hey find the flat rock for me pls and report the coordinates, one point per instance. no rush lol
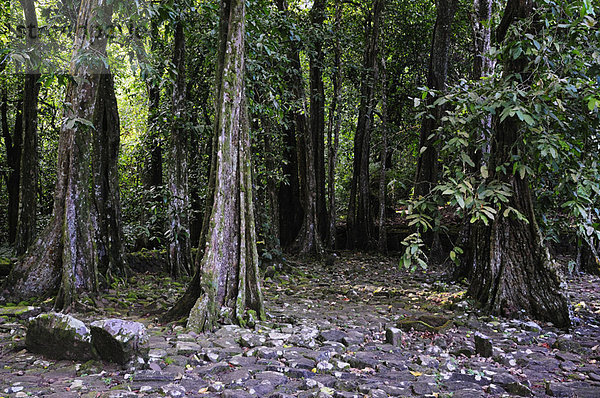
(59, 336)
(120, 341)
(332, 335)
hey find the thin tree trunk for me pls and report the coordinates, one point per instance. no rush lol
(317, 113)
(360, 219)
(27, 217)
(228, 279)
(427, 163)
(335, 123)
(482, 66)
(12, 144)
(513, 272)
(290, 193)
(64, 257)
(152, 167)
(382, 241)
(180, 257)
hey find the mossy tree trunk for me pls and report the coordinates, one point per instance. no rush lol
(360, 218)
(65, 256)
(227, 287)
(513, 272)
(179, 253)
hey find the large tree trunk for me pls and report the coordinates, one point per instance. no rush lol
(180, 257)
(105, 166)
(513, 272)
(335, 124)
(29, 161)
(317, 113)
(360, 218)
(427, 163)
(228, 280)
(65, 256)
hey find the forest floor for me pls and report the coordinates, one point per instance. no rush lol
(325, 337)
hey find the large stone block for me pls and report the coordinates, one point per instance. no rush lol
(120, 341)
(59, 336)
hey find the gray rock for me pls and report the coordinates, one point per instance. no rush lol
(59, 336)
(120, 341)
(275, 378)
(483, 345)
(235, 377)
(532, 326)
(235, 394)
(332, 335)
(393, 336)
(185, 347)
(518, 389)
(173, 390)
(503, 379)
(251, 340)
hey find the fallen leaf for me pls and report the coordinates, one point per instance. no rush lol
(416, 374)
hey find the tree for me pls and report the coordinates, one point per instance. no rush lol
(227, 285)
(180, 257)
(360, 220)
(28, 181)
(317, 112)
(513, 270)
(335, 122)
(65, 257)
(427, 164)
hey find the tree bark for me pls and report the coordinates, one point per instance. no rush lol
(105, 167)
(229, 287)
(335, 124)
(27, 217)
(513, 272)
(360, 218)
(180, 257)
(65, 257)
(427, 163)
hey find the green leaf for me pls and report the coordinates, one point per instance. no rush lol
(484, 171)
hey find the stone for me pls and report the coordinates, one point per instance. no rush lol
(393, 336)
(120, 341)
(532, 327)
(173, 390)
(250, 340)
(275, 378)
(483, 345)
(335, 335)
(185, 347)
(518, 389)
(59, 336)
